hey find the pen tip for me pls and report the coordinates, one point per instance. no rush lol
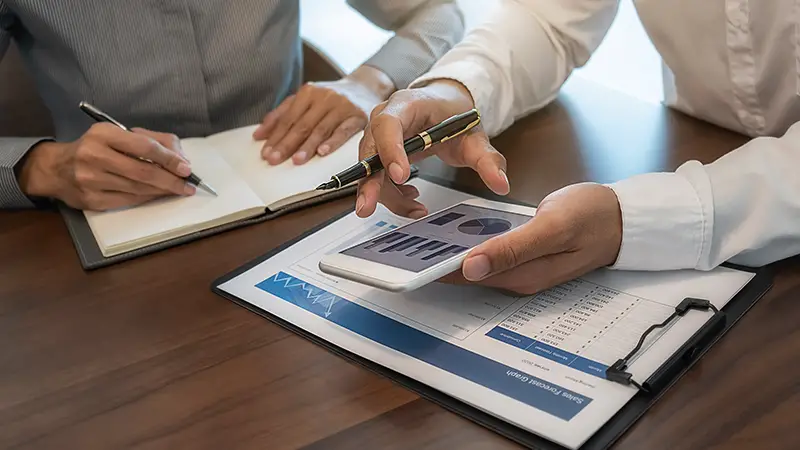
(326, 186)
(208, 189)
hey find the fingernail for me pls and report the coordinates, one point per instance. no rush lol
(418, 214)
(188, 189)
(184, 170)
(505, 178)
(360, 203)
(476, 268)
(396, 173)
(300, 156)
(324, 149)
(258, 130)
(275, 157)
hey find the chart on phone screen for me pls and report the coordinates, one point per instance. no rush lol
(436, 308)
(428, 242)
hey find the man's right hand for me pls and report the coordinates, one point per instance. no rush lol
(406, 113)
(101, 170)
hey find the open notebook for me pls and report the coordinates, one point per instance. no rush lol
(247, 186)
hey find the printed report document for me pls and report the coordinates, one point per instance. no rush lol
(247, 186)
(535, 361)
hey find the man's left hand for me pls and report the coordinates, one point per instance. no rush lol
(321, 117)
(575, 230)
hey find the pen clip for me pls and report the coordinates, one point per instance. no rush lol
(467, 128)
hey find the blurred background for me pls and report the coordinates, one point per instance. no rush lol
(626, 60)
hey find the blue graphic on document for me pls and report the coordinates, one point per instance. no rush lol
(304, 295)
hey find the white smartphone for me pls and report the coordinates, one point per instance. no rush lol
(425, 250)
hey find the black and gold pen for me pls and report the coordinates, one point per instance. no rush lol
(98, 115)
(443, 132)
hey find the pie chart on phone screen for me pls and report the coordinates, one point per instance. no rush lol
(484, 227)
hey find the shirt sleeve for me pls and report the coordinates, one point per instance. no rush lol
(515, 61)
(424, 31)
(743, 208)
(12, 150)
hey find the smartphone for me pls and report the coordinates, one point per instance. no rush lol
(425, 250)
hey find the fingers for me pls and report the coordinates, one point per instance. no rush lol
(537, 238)
(325, 131)
(106, 181)
(386, 139)
(341, 134)
(533, 276)
(285, 119)
(369, 194)
(138, 171)
(399, 199)
(139, 145)
(271, 119)
(284, 122)
(478, 154)
(299, 132)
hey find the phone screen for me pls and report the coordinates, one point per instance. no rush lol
(427, 242)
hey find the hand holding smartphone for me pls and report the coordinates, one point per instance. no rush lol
(427, 249)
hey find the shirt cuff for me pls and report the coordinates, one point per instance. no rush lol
(12, 153)
(664, 225)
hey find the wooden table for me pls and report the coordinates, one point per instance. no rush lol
(143, 354)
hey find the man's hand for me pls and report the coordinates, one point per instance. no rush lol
(575, 230)
(321, 116)
(101, 171)
(406, 113)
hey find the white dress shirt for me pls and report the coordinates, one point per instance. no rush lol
(735, 63)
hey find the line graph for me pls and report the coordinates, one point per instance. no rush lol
(302, 294)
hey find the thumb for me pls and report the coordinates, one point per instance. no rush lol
(535, 239)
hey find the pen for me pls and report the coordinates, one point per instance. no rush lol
(443, 132)
(100, 116)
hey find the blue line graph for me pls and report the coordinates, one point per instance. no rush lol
(302, 294)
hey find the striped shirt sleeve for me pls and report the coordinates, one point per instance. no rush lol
(12, 150)
(424, 31)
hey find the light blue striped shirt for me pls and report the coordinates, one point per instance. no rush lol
(193, 67)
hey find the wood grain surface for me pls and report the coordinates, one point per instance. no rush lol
(143, 355)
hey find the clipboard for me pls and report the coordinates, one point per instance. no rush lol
(675, 367)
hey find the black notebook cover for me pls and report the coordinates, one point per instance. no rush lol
(602, 439)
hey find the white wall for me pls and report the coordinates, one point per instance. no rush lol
(625, 61)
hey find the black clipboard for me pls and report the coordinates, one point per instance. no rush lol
(605, 437)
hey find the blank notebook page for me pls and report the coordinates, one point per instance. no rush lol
(156, 218)
(274, 183)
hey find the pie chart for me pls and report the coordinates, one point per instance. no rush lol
(484, 227)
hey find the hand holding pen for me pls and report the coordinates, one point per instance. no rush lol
(172, 141)
(105, 169)
(438, 119)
